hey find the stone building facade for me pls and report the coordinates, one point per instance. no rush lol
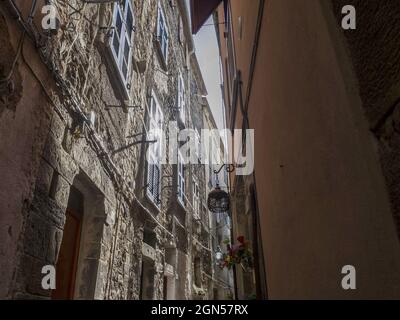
(79, 105)
(221, 222)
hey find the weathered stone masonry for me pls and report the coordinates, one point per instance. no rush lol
(49, 149)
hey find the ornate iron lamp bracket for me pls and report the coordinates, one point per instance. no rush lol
(229, 168)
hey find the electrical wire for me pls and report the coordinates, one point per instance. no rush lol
(92, 139)
(20, 44)
(91, 136)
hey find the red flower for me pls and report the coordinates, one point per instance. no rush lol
(235, 248)
(241, 239)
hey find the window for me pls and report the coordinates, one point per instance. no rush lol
(213, 178)
(181, 35)
(198, 150)
(154, 151)
(150, 238)
(210, 176)
(196, 197)
(181, 179)
(181, 98)
(193, 87)
(120, 42)
(162, 34)
(230, 63)
(227, 221)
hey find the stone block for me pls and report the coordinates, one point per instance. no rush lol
(62, 193)
(54, 245)
(60, 160)
(57, 129)
(37, 236)
(44, 177)
(48, 208)
(30, 274)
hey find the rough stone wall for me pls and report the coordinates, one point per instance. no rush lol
(202, 233)
(164, 82)
(68, 153)
(222, 286)
(375, 53)
(69, 76)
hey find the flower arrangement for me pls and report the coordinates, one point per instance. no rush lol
(237, 254)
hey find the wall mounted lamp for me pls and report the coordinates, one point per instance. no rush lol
(218, 200)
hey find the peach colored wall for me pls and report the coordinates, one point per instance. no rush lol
(323, 202)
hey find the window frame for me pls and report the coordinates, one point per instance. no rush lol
(181, 98)
(181, 170)
(196, 198)
(125, 38)
(155, 119)
(181, 35)
(198, 150)
(160, 15)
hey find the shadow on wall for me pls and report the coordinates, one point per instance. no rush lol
(10, 78)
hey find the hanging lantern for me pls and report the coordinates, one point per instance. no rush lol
(218, 200)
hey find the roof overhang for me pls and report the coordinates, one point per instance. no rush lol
(200, 11)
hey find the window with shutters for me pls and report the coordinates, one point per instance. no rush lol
(198, 146)
(162, 34)
(181, 35)
(121, 41)
(181, 179)
(181, 98)
(154, 151)
(210, 175)
(196, 198)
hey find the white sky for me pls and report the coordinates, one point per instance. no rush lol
(208, 56)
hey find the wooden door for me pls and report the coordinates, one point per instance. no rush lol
(68, 257)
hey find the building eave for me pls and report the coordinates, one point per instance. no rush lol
(200, 11)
